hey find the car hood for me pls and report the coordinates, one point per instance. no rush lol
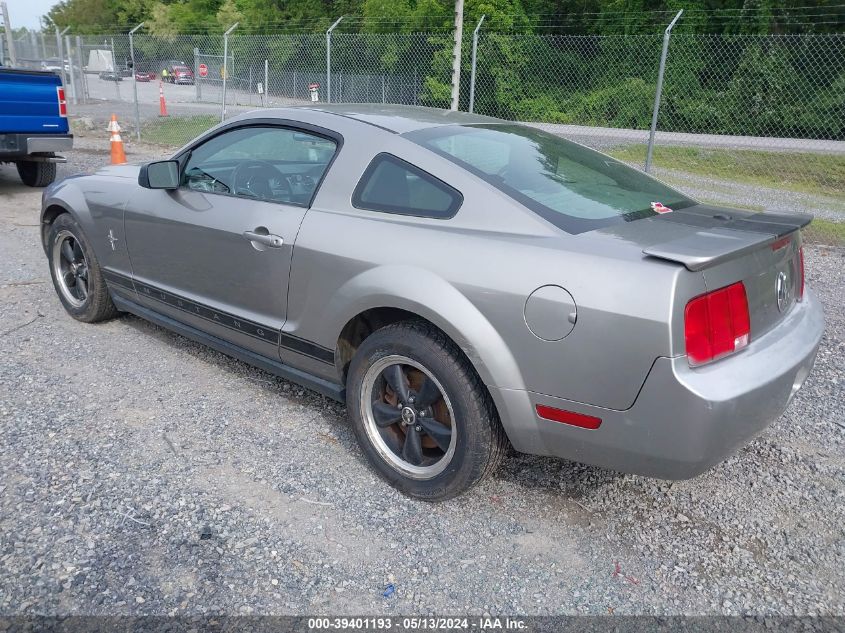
(699, 236)
(129, 170)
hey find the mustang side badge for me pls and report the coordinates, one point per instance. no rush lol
(658, 207)
(112, 239)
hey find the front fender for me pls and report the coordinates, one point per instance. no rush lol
(433, 298)
(96, 203)
(64, 196)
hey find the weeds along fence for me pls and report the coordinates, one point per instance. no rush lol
(766, 110)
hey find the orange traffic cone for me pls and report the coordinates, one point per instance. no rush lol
(118, 156)
(162, 106)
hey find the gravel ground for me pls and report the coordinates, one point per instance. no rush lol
(141, 473)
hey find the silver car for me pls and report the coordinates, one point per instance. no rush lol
(462, 283)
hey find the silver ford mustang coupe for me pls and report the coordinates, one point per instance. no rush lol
(461, 282)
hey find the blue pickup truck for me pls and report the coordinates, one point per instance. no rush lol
(33, 123)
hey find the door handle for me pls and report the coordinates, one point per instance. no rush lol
(267, 239)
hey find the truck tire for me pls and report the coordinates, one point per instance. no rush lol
(36, 174)
(422, 416)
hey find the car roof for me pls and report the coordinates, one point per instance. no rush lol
(400, 118)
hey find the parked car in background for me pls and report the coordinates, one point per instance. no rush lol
(110, 75)
(53, 65)
(33, 123)
(459, 281)
(145, 76)
(180, 75)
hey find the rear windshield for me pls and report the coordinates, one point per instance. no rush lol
(570, 185)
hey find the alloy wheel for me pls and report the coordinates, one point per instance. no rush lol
(408, 417)
(71, 268)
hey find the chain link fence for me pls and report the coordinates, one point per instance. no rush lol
(741, 118)
(739, 115)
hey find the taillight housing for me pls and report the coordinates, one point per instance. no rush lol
(717, 324)
(800, 294)
(60, 95)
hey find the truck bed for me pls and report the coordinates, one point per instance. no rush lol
(29, 102)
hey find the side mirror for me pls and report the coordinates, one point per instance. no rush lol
(163, 174)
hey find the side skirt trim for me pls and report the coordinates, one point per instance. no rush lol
(320, 385)
(258, 331)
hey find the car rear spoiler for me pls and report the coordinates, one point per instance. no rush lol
(731, 239)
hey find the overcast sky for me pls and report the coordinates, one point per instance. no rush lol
(27, 12)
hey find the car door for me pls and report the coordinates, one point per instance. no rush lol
(216, 252)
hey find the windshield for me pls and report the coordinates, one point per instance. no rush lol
(570, 185)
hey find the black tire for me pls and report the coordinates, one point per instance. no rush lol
(97, 304)
(36, 174)
(480, 441)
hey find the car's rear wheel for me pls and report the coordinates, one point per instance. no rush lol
(36, 174)
(76, 272)
(421, 414)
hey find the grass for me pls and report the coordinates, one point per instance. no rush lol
(176, 131)
(825, 232)
(795, 171)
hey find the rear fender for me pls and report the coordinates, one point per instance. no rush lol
(436, 300)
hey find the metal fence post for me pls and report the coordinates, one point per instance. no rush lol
(474, 60)
(60, 52)
(266, 95)
(135, 81)
(197, 78)
(114, 68)
(82, 77)
(456, 54)
(10, 36)
(329, 60)
(70, 68)
(658, 93)
(225, 68)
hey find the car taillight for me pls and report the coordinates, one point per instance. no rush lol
(60, 93)
(717, 324)
(800, 294)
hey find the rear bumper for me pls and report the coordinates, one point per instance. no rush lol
(21, 145)
(684, 420)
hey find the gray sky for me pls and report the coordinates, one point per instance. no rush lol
(27, 12)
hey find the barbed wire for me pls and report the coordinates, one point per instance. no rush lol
(802, 16)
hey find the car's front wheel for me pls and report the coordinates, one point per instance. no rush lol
(421, 414)
(76, 272)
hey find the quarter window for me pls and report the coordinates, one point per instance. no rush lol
(259, 162)
(392, 185)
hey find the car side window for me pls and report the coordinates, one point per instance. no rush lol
(261, 162)
(393, 185)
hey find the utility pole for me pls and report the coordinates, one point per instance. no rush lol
(456, 53)
(10, 40)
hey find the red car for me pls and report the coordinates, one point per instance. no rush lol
(144, 76)
(180, 75)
